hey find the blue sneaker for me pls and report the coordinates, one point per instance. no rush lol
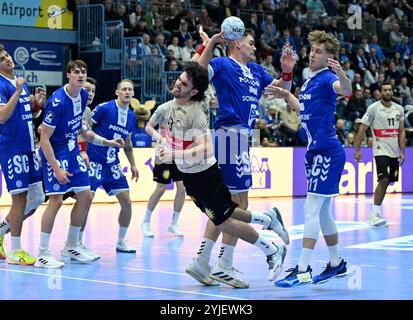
(295, 278)
(331, 272)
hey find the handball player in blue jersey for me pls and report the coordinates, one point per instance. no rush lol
(325, 157)
(63, 168)
(18, 158)
(114, 119)
(239, 83)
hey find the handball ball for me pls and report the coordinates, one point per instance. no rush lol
(233, 28)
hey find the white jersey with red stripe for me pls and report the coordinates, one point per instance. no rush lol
(384, 123)
(180, 125)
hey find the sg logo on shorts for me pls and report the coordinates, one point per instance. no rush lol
(18, 164)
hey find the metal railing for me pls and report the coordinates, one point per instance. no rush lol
(90, 20)
(113, 46)
(153, 87)
(132, 66)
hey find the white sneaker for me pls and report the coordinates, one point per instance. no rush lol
(201, 273)
(46, 260)
(146, 229)
(123, 246)
(277, 224)
(95, 256)
(75, 254)
(228, 275)
(173, 228)
(375, 220)
(276, 261)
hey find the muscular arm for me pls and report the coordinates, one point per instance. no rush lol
(7, 110)
(358, 139)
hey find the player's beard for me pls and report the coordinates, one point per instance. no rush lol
(387, 98)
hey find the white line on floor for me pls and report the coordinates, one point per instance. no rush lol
(122, 284)
(158, 271)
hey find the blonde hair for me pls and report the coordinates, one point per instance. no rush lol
(331, 43)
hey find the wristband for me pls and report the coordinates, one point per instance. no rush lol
(200, 49)
(82, 146)
(287, 76)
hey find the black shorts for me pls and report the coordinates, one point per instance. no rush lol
(165, 172)
(387, 168)
(210, 194)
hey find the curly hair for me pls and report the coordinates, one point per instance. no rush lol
(331, 43)
(199, 77)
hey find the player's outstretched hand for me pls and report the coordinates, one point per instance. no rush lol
(39, 96)
(277, 92)
(117, 142)
(287, 58)
(203, 35)
(218, 38)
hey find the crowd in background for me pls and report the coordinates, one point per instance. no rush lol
(170, 29)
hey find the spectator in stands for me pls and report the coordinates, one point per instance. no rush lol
(405, 92)
(368, 97)
(219, 50)
(145, 45)
(175, 48)
(133, 61)
(124, 17)
(357, 83)
(379, 51)
(349, 140)
(399, 62)
(187, 51)
(371, 75)
(269, 67)
(272, 121)
(348, 71)
(192, 20)
(252, 23)
(140, 29)
(268, 41)
(286, 38)
(374, 58)
(290, 123)
(396, 36)
(341, 135)
(360, 61)
(375, 86)
(317, 7)
(158, 29)
(269, 22)
(160, 45)
(297, 38)
(172, 65)
(183, 33)
(356, 106)
(409, 76)
(405, 49)
(396, 93)
(137, 15)
(264, 132)
(206, 22)
(151, 15)
(392, 72)
(110, 13)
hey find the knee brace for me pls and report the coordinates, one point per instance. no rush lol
(312, 208)
(327, 223)
(35, 197)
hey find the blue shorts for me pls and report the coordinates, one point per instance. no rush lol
(109, 176)
(232, 152)
(72, 162)
(323, 170)
(20, 170)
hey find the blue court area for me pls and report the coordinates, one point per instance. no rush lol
(380, 259)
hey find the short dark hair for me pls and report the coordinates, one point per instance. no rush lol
(199, 77)
(73, 64)
(91, 80)
(385, 83)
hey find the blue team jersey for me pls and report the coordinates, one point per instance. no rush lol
(238, 88)
(16, 134)
(317, 107)
(64, 114)
(110, 122)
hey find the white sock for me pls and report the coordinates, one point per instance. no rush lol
(265, 245)
(148, 215)
(260, 218)
(226, 255)
(81, 236)
(334, 255)
(175, 217)
(122, 233)
(73, 236)
(4, 227)
(305, 259)
(44, 241)
(15, 244)
(205, 249)
(376, 210)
